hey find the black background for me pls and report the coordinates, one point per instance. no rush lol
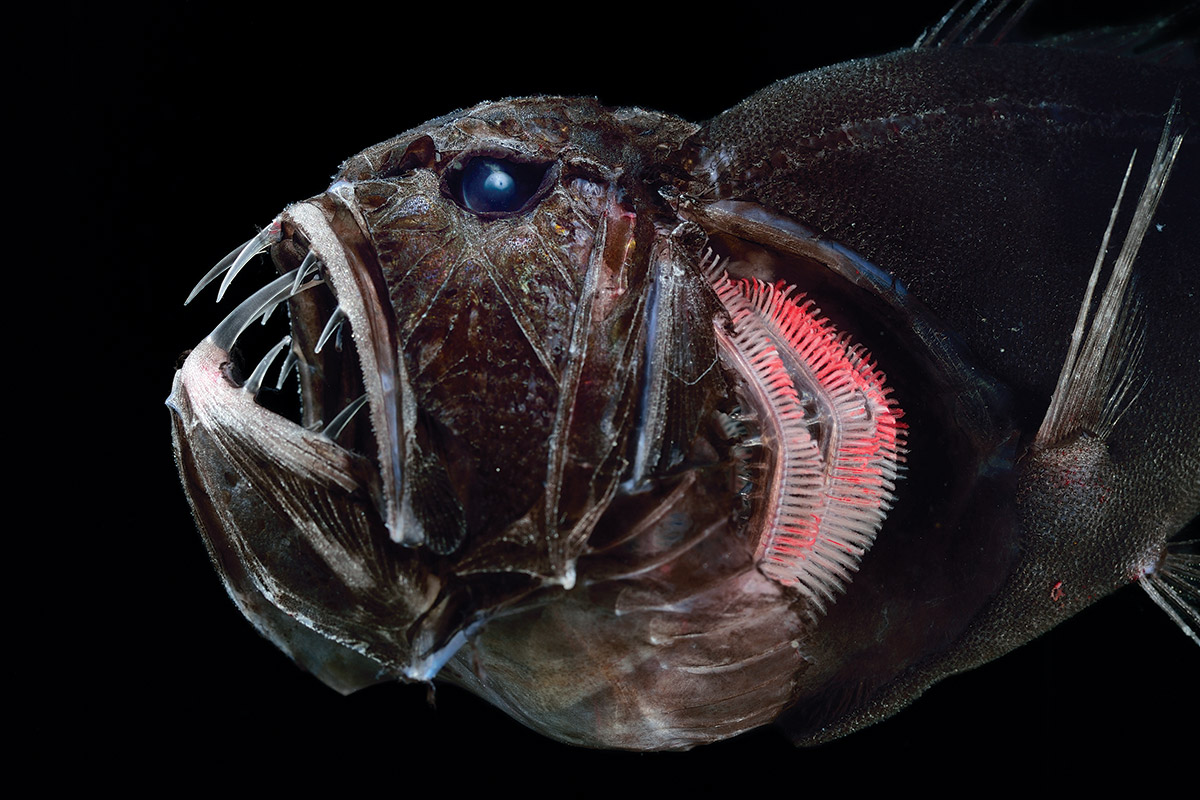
(173, 134)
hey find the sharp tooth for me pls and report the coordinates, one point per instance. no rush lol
(256, 378)
(305, 266)
(338, 423)
(275, 292)
(266, 235)
(335, 322)
(289, 363)
(271, 309)
(297, 288)
(220, 267)
(253, 247)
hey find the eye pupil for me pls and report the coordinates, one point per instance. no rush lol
(498, 183)
(491, 185)
(488, 186)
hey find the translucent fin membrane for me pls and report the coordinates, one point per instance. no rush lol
(1097, 383)
(964, 27)
(827, 498)
(1174, 584)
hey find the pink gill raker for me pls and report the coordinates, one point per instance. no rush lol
(822, 512)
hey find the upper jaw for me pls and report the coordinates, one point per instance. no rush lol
(333, 231)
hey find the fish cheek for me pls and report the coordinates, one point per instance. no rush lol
(490, 398)
(484, 310)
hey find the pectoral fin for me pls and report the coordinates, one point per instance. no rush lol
(1099, 381)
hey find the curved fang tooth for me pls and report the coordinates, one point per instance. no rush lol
(256, 378)
(253, 247)
(220, 267)
(289, 364)
(275, 292)
(335, 322)
(338, 423)
(271, 309)
(297, 288)
(305, 266)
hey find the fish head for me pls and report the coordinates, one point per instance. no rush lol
(483, 234)
(487, 275)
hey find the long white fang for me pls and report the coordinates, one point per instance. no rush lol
(339, 423)
(253, 247)
(335, 322)
(297, 288)
(226, 334)
(256, 378)
(217, 269)
(305, 266)
(289, 364)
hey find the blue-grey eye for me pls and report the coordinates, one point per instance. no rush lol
(496, 185)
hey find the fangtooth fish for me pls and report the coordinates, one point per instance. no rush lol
(651, 432)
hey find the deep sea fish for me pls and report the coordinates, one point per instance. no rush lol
(652, 432)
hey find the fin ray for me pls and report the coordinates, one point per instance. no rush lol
(1174, 585)
(1096, 383)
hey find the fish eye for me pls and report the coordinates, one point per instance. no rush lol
(490, 185)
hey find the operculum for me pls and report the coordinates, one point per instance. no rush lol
(945, 536)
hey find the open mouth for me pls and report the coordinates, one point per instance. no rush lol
(342, 347)
(318, 350)
(311, 498)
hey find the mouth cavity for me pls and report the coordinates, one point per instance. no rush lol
(312, 459)
(341, 344)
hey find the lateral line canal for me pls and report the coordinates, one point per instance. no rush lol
(831, 434)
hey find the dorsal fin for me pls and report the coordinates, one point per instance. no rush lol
(1169, 41)
(977, 23)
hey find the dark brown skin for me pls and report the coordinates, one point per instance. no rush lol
(999, 601)
(952, 233)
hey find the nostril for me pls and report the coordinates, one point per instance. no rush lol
(421, 152)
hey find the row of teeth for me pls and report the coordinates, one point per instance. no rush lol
(262, 304)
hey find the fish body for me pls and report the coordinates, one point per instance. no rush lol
(674, 430)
